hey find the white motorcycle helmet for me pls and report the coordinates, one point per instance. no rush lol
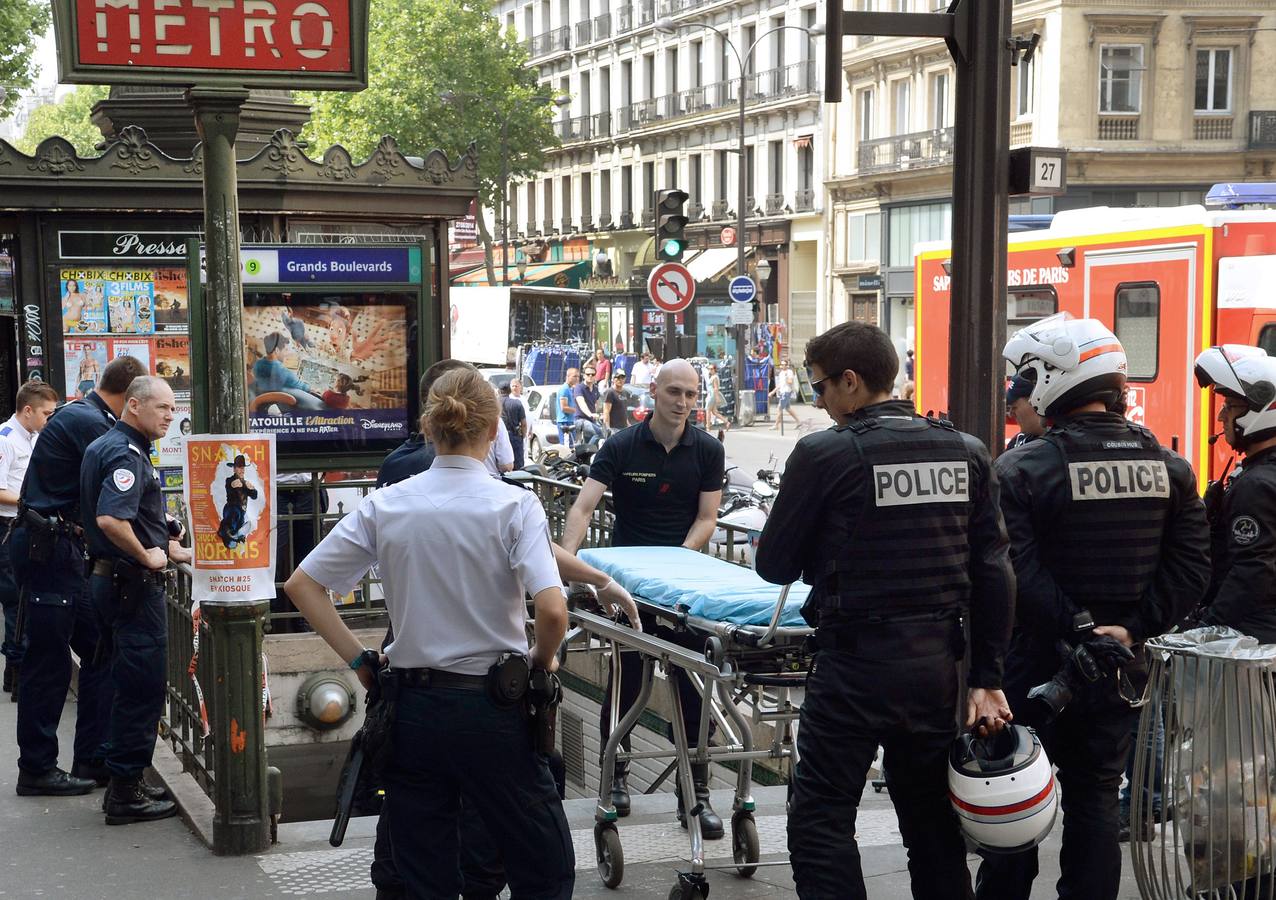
(1069, 361)
(1244, 373)
(1002, 789)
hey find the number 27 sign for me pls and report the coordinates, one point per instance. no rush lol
(248, 43)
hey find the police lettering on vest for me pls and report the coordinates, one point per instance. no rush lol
(937, 482)
(1119, 479)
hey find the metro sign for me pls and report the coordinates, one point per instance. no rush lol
(246, 43)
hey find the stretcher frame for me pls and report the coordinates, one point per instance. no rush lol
(739, 661)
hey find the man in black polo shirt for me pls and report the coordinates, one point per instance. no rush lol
(666, 482)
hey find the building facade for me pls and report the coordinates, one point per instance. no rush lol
(1154, 100)
(652, 110)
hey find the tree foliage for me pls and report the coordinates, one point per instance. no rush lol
(69, 118)
(22, 23)
(417, 51)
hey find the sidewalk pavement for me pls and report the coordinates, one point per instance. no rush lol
(60, 848)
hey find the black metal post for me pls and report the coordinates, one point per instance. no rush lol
(505, 203)
(976, 395)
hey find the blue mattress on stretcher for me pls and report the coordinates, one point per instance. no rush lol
(706, 587)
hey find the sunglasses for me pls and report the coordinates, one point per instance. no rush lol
(589, 371)
(817, 385)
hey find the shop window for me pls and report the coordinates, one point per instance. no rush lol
(1267, 339)
(1137, 327)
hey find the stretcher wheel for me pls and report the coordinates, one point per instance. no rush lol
(689, 892)
(744, 844)
(611, 858)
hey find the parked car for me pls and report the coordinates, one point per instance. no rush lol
(540, 408)
(498, 377)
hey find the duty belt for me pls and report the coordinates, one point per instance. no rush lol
(55, 523)
(105, 568)
(437, 678)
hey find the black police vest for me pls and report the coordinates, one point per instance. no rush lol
(1103, 546)
(907, 547)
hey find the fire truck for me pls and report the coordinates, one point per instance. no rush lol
(1169, 282)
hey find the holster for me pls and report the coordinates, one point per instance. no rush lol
(378, 723)
(507, 679)
(544, 693)
(42, 536)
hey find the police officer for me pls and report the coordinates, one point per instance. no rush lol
(1242, 590)
(440, 539)
(1109, 542)
(130, 545)
(35, 403)
(892, 519)
(1030, 424)
(483, 874)
(47, 548)
(665, 476)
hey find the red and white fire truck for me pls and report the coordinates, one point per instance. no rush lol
(1169, 282)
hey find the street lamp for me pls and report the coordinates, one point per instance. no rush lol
(451, 98)
(666, 25)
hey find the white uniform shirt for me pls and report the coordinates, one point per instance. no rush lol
(15, 453)
(457, 549)
(501, 452)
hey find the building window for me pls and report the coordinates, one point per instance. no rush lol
(604, 192)
(1138, 312)
(939, 101)
(720, 174)
(806, 166)
(586, 200)
(910, 225)
(1214, 81)
(864, 237)
(900, 94)
(627, 189)
(567, 201)
(649, 187)
(696, 180)
(866, 115)
(671, 172)
(531, 207)
(1027, 305)
(1120, 79)
(775, 158)
(1025, 85)
(697, 64)
(549, 203)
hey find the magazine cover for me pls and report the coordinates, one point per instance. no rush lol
(172, 310)
(171, 360)
(84, 360)
(132, 304)
(83, 301)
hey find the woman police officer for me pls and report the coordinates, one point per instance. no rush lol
(457, 549)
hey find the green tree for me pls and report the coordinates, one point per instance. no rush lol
(419, 50)
(22, 23)
(69, 118)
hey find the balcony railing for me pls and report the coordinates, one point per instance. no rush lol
(919, 150)
(804, 201)
(1212, 128)
(550, 41)
(584, 32)
(774, 204)
(1262, 129)
(1119, 128)
(602, 27)
(585, 128)
(1020, 134)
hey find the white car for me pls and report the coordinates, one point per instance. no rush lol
(498, 377)
(540, 407)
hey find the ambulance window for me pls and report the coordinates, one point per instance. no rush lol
(1025, 306)
(1267, 339)
(1137, 320)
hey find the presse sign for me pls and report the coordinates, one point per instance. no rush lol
(252, 43)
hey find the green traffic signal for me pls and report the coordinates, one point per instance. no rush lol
(672, 249)
(671, 241)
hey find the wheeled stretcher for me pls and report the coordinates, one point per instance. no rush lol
(755, 654)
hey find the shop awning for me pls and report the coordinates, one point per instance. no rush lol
(460, 261)
(709, 265)
(554, 274)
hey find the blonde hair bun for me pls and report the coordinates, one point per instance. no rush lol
(461, 409)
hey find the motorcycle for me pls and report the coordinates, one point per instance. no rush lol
(746, 503)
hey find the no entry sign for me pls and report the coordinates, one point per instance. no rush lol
(671, 287)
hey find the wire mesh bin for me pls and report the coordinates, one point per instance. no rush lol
(1213, 834)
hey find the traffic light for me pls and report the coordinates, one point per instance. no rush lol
(671, 224)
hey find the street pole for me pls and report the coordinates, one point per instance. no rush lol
(741, 331)
(505, 203)
(217, 120)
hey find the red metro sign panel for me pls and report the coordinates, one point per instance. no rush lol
(252, 43)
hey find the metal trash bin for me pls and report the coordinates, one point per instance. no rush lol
(1217, 836)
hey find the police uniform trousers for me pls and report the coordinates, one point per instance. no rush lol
(453, 745)
(10, 648)
(631, 683)
(59, 619)
(137, 667)
(1088, 743)
(893, 684)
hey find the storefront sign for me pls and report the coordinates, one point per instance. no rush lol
(123, 245)
(248, 43)
(228, 481)
(869, 283)
(328, 265)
